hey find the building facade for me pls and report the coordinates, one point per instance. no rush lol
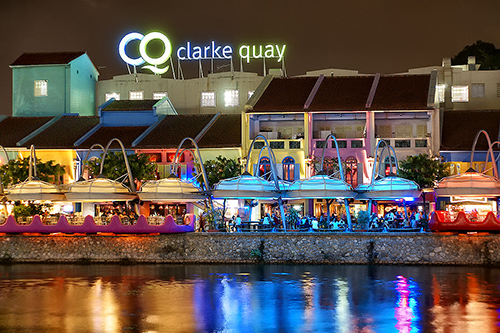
(52, 84)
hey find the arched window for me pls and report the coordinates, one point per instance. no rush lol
(288, 169)
(351, 174)
(265, 167)
(387, 162)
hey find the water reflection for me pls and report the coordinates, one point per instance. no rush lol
(203, 298)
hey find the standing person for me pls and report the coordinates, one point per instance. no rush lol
(238, 223)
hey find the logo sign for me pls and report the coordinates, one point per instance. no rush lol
(145, 58)
(191, 51)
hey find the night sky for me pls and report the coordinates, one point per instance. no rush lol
(367, 35)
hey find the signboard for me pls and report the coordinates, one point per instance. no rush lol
(190, 51)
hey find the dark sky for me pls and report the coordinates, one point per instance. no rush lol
(371, 36)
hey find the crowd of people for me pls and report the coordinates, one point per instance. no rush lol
(395, 219)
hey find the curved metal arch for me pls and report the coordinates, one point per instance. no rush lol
(5, 153)
(377, 162)
(274, 174)
(489, 153)
(200, 160)
(32, 166)
(127, 165)
(272, 160)
(87, 158)
(339, 159)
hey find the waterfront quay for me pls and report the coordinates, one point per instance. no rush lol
(268, 248)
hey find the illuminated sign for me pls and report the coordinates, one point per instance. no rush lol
(261, 51)
(211, 51)
(191, 51)
(456, 198)
(144, 40)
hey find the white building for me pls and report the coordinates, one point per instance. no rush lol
(225, 92)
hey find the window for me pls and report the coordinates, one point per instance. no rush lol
(250, 93)
(109, 96)
(288, 169)
(440, 92)
(460, 94)
(477, 90)
(136, 95)
(265, 168)
(356, 144)
(351, 175)
(231, 98)
(277, 144)
(207, 99)
(159, 95)
(402, 143)
(41, 88)
(420, 143)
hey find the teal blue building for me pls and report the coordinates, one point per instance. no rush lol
(53, 84)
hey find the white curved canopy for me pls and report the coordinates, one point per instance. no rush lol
(246, 186)
(389, 188)
(170, 189)
(319, 187)
(98, 190)
(469, 183)
(34, 189)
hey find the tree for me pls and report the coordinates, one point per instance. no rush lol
(423, 170)
(486, 54)
(221, 168)
(114, 167)
(17, 171)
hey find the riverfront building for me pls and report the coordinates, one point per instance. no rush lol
(61, 108)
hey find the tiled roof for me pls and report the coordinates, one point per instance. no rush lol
(131, 105)
(64, 132)
(402, 92)
(170, 132)
(460, 129)
(342, 93)
(13, 129)
(126, 134)
(47, 58)
(285, 94)
(225, 132)
(349, 93)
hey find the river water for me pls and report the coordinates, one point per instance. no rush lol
(248, 298)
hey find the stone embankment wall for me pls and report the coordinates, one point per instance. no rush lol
(290, 248)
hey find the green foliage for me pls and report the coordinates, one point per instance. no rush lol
(221, 168)
(363, 219)
(114, 166)
(17, 171)
(423, 169)
(292, 217)
(31, 209)
(487, 55)
(256, 254)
